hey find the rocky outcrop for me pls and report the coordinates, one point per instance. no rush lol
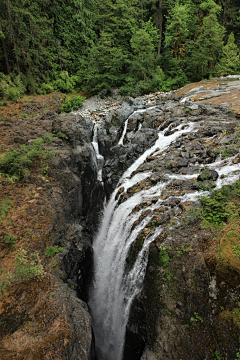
(188, 308)
(47, 318)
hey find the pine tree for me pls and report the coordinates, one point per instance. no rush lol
(229, 61)
(105, 64)
(181, 24)
(209, 43)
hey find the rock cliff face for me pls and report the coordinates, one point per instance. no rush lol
(189, 305)
(43, 319)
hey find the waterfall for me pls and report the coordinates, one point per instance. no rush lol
(114, 289)
(100, 158)
(126, 123)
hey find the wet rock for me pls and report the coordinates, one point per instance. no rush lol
(90, 126)
(121, 115)
(151, 117)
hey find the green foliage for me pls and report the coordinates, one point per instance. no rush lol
(226, 152)
(17, 162)
(236, 250)
(196, 318)
(102, 44)
(218, 357)
(73, 103)
(105, 65)
(229, 60)
(53, 250)
(46, 88)
(164, 259)
(60, 135)
(208, 46)
(11, 88)
(64, 82)
(28, 266)
(218, 208)
(180, 23)
(9, 240)
(5, 283)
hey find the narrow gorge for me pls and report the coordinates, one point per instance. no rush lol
(139, 275)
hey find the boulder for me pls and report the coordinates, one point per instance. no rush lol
(73, 126)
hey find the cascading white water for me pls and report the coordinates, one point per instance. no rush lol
(100, 158)
(114, 290)
(126, 123)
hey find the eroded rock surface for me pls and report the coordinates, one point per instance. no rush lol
(58, 206)
(188, 309)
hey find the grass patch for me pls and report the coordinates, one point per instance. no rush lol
(26, 115)
(27, 267)
(15, 164)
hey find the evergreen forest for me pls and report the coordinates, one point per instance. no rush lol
(140, 46)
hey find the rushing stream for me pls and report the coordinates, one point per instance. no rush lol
(113, 289)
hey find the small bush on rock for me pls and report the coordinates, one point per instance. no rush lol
(53, 250)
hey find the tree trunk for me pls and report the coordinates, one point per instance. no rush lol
(5, 53)
(160, 30)
(13, 37)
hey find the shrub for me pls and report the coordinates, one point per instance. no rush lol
(53, 250)
(17, 162)
(11, 88)
(64, 82)
(72, 104)
(219, 207)
(9, 240)
(46, 88)
(61, 135)
(28, 266)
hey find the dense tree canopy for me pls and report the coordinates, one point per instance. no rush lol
(138, 45)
